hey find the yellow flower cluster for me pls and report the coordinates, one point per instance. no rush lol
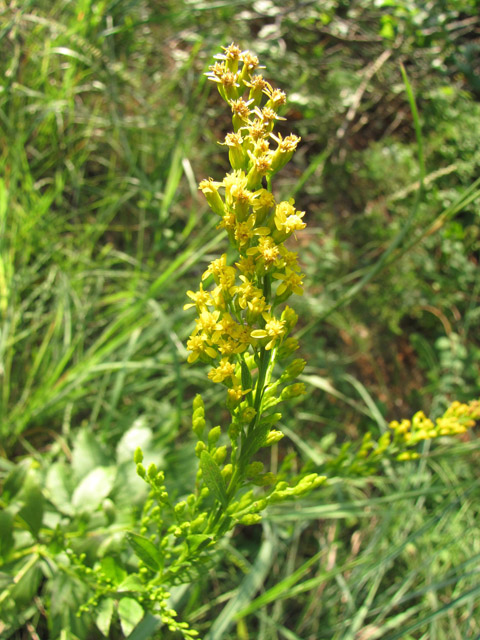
(239, 311)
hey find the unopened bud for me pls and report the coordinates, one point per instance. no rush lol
(210, 190)
(293, 391)
(273, 437)
(214, 435)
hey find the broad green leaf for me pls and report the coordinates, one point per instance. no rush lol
(59, 486)
(198, 541)
(132, 583)
(93, 489)
(145, 550)
(139, 435)
(14, 481)
(32, 510)
(27, 580)
(6, 533)
(112, 570)
(146, 629)
(130, 613)
(213, 478)
(87, 453)
(104, 615)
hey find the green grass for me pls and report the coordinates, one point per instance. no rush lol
(106, 127)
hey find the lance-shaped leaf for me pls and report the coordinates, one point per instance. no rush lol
(145, 550)
(213, 478)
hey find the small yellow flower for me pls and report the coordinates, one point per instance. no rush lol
(291, 282)
(246, 266)
(200, 299)
(207, 322)
(268, 250)
(225, 369)
(222, 273)
(274, 329)
(198, 345)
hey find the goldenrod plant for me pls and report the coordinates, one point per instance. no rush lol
(58, 535)
(243, 333)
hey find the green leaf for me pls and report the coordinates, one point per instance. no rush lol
(130, 613)
(27, 580)
(132, 583)
(32, 510)
(198, 541)
(247, 382)
(15, 479)
(145, 550)
(6, 533)
(112, 570)
(139, 435)
(213, 478)
(93, 489)
(146, 629)
(59, 486)
(104, 615)
(87, 453)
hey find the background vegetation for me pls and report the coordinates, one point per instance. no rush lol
(106, 126)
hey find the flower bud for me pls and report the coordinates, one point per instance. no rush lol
(250, 518)
(198, 403)
(210, 190)
(197, 524)
(273, 437)
(220, 454)
(227, 471)
(294, 369)
(293, 391)
(287, 347)
(214, 435)
(290, 317)
(254, 468)
(138, 455)
(198, 425)
(199, 447)
(152, 470)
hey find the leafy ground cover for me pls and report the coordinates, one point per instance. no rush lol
(107, 125)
